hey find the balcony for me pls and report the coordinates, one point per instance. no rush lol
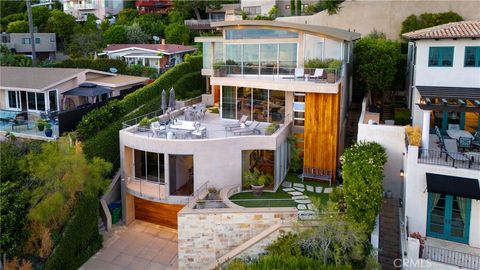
(451, 253)
(86, 6)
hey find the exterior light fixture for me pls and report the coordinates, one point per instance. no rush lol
(402, 173)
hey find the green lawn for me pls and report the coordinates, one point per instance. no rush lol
(279, 198)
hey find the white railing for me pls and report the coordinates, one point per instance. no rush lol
(452, 257)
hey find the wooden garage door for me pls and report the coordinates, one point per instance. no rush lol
(158, 213)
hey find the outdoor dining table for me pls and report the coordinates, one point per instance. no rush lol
(456, 134)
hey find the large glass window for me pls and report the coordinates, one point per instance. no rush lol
(149, 166)
(258, 33)
(299, 109)
(36, 101)
(287, 58)
(218, 51)
(277, 106)
(206, 47)
(40, 101)
(31, 101)
(244, 101)
(52, 98)
(229, 102)
(234, 54)
(440, 57)
(250, 58)
(261, 160)
(472, 56)
(260, 105)
(313, 47)
(268, 58)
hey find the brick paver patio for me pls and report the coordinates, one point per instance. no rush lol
(141, 245)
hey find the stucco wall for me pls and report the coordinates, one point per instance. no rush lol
(206, 235)
(416, 196)
(364, 16)
(392, 138)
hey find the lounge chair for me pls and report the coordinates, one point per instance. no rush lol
(476, 140)
(239, 123)
(465, 143)
(299, 73)
(319, 74)
(452, 152)
(250, 130)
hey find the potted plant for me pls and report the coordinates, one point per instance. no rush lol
(272, 128)
(144, 123)
(333, 70)
(48, 130)
(212, 193)
(200, 204)
(41, 124)
(219, 69)
(414, 137)
(255, 181)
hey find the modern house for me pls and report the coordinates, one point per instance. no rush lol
(441, 178)
(100, 8)
(36, 92)
(20, 43)
(226, 12)
(153, 6)
(255, 71)
(158, 56)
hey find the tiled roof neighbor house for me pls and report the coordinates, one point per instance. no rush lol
(464, 29)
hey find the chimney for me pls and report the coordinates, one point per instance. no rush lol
(163, 41)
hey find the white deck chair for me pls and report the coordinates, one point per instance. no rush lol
(299, 73)
(318, 74)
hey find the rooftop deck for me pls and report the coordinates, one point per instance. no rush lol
(215, 128)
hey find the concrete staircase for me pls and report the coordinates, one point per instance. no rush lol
(389, 242)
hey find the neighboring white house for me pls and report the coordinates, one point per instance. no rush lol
(100, 8)
(158, 56)
(441, 183)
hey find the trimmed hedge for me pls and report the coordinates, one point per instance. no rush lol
(99, 64)
(100, 118)
(80, 239)
(189, 86)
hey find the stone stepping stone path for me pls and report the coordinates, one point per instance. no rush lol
(301, 207)
(287, 184)
(301, 197)
(306, 209)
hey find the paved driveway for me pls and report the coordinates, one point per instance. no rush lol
(141, 245)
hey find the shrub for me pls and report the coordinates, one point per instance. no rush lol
(414, 136)
(80, 239)
(426, 20)
(279, 262)
(139, 70)
(114, 110)
(189, 86)
(274, 126)
(363, 182)
(401, 116)
(285, 245)
(98, 64)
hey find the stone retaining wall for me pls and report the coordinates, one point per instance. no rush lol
(205, 235)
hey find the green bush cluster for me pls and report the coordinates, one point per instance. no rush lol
(319, 63)
(426, 20)
(104, 116)
(190, 85)
(98, 64)
(401, 116)
(139, 70)
(80, 239)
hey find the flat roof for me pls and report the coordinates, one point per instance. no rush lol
(335, 33)
(118, 80)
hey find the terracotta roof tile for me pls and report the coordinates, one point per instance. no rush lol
(464, 29)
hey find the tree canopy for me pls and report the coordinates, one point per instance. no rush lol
(176, 33)
(126, 16)
(18, 27)
(426, 20)
(115, 35)
(135, 34)
(375, 65)
(61, 23)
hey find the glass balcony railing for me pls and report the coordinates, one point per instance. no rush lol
(315, 75)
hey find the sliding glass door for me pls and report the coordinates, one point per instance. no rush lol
(448, 217)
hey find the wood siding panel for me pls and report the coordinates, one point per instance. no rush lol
(157, 213)
(321, 131)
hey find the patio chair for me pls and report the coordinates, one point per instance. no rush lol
(452, 152)
(157, 129)
(250, 130)
(318, 74)
(189, 115)
(239, 123)
(465, 143)
(453, 126)
(476, 140)
(299, 73)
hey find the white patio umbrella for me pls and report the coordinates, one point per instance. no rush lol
(171, 100)
(164, 101)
